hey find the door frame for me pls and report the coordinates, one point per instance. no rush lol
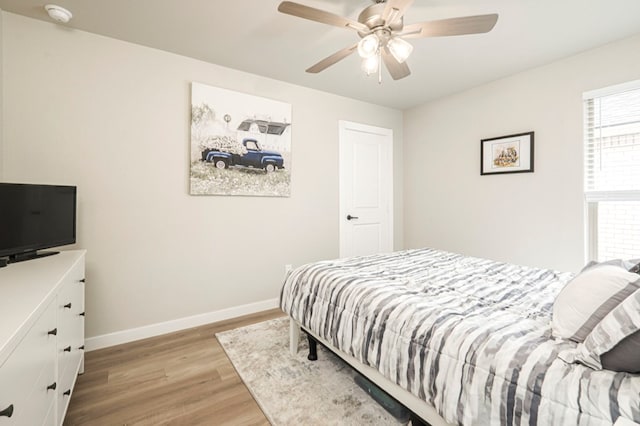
(343, 127)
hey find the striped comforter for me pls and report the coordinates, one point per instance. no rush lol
(469, 336)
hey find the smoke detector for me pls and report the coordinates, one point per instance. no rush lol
(58, 13)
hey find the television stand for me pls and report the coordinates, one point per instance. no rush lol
(29, 255)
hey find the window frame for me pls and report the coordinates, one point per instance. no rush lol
(592, 198)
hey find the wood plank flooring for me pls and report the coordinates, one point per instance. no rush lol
(182, 378)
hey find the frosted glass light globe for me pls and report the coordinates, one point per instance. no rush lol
(370, 64)
(400, 49)
(368, 46)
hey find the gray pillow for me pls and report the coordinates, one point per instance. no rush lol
(625, 356)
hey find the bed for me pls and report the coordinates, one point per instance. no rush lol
(458, 340)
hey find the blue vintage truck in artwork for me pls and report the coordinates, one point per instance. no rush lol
(255, 157)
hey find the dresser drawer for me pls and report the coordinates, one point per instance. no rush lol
(71, 307)
(70, 327)
(21, 372)
(42, 396)
(70, 336)
(51, 416)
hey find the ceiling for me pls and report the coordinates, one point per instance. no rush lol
(252, 36)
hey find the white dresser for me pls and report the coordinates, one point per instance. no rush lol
(41, 337)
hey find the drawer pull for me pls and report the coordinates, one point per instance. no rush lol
(67, 349)
(68, 305)
(52, 386)
(82, 280)
(81, 347)
(67, 392)
(81, 314)
(7, 412)
(53, 332)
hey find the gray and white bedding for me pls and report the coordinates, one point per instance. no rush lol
(469, 336)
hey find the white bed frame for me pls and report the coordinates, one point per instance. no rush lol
(413, 403)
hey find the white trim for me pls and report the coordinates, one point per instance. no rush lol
(591, 231)
(610, 90)
(132, 334)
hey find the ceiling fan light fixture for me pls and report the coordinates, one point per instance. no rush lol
(399, 48)
(381, 26)
(368, 46)
(371, 64)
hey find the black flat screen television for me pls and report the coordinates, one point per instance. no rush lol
(35, 217)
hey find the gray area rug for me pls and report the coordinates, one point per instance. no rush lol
(292, 390)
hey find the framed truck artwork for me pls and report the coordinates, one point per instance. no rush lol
(240, 144)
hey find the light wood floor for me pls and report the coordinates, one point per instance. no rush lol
(183, 378)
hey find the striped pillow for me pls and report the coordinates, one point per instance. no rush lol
(589, 297)
(614, 342)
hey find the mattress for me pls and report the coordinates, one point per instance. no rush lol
(469, 336)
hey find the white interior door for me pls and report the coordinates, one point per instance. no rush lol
(366, 189)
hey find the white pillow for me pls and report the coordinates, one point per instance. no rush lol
(589, 297)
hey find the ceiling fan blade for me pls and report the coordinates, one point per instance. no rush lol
(313, 14)
(396, 69)
(395, 9)
(330, 60)
(453, 26)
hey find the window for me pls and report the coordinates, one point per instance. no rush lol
(251, 145)
(612, 171)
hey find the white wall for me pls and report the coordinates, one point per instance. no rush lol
(113, 118)
(531, 218)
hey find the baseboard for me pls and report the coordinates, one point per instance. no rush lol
(125, 336)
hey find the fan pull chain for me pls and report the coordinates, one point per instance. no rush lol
(379, 66)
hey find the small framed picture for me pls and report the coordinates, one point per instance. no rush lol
(507, 154)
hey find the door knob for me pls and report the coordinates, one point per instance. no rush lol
(349, 217)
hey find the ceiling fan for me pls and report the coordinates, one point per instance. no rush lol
(382, 33)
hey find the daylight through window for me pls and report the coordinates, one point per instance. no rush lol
(612, 171)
